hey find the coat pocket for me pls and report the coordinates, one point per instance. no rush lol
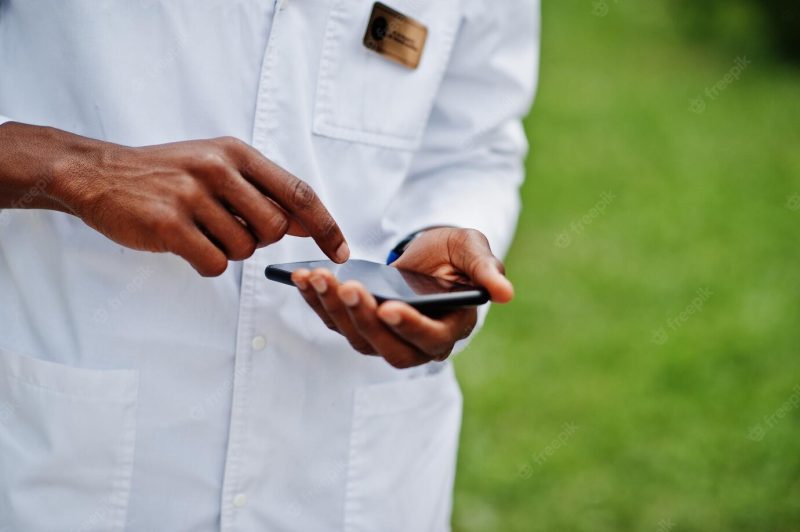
(403, 449)
(363, 97)
(66, 445)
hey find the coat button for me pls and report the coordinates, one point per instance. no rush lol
(240, 500)
(258, 343)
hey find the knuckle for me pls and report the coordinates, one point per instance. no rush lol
(230, 144)
(212, 161)
(188, 192)
(243, 249)
(465, 244)
(457, 244)
(303, 196)
(399, 362)
(393, 361)
(442, 352)
(459, 237)
(475, 236)
(212, 267)
(250, 247)
(363, 348)
(277, 225)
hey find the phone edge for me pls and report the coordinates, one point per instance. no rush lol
(477, 297)
(280, 276)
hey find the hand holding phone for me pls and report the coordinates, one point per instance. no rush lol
(393, 328)
(423, 292)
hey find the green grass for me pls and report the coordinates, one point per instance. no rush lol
(660, 438)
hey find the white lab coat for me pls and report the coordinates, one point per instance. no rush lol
(136, 395)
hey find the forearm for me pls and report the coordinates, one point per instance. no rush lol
(35, 163)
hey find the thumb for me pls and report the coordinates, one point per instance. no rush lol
(476, 260)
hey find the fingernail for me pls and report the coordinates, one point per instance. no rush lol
(343, 252)
(302, 285)
(350, 297)
(392, 318)
(319, 284)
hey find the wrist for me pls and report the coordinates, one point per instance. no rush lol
(401, 246)
(406, 243)
(74, 170)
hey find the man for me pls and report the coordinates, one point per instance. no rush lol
(137, 395)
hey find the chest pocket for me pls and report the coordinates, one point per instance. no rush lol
(364, 97)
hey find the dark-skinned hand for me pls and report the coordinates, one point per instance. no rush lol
(394, 330)
(208, 201)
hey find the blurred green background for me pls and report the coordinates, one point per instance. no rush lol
(647, 377)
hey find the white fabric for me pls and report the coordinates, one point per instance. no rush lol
(137, 396)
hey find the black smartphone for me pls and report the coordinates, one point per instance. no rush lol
(387, 283)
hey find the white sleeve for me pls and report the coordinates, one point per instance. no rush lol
(470, 166)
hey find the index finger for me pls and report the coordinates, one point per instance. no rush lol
(298, 199)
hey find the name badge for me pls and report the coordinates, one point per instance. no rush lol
(395, 36)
